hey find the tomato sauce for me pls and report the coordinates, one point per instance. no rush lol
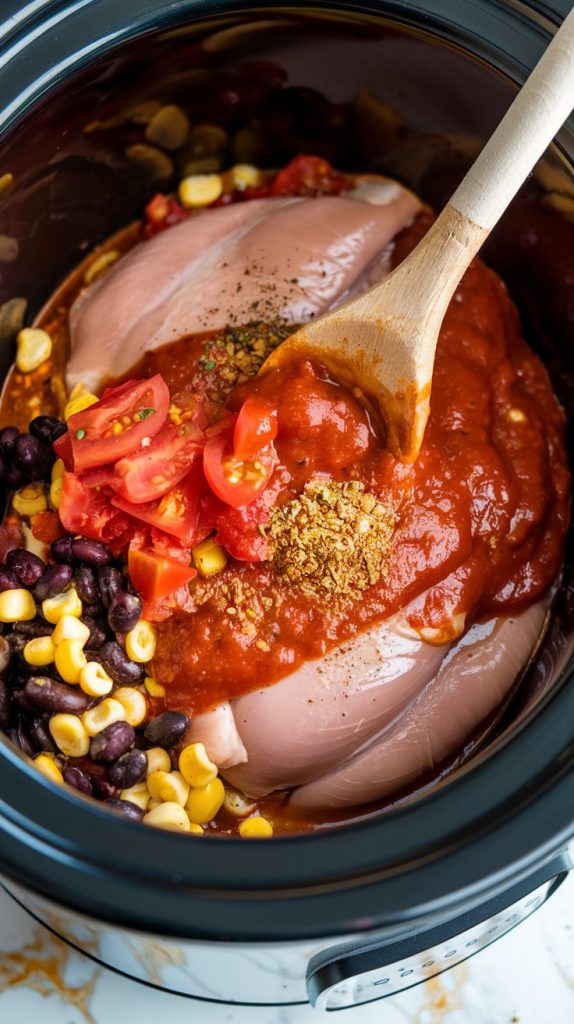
(482, 514)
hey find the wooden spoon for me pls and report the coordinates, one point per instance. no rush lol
(384, 342)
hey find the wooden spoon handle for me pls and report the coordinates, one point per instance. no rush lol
(538, 112)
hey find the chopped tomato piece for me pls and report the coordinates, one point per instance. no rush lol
(151, 472)
(116, 425)
(309, 176)
(156, 577)
(46, 526)
(235, 481)
(63, 449)
(163, 212)
(88, 510)
(255, 428)
(176, 513)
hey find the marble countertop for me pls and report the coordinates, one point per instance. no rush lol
(527, 977)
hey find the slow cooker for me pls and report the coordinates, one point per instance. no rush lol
(354, 913)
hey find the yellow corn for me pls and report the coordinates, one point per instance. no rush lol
(154, 689)
(58, 470)
(196, 830)
(204, 802)
(78, 389)
(102, 715)
(245, 176)
(48, 767)
(79, 403)
(138, 795)
(200, 190)
(168, 815)
(69, 735)
(208, 557)
(237, 804)
(133, 703)
(30, 500)
(34, 346)
(69, 659)
(71, 628)
(158, 760)
(94, 680)
(141, 641)
(56, 488)
(168, 786)
(255, 828)
(195, 765)
(100, 265)
(39, 651)
(17, 606)
(54, 608)
(153, 803)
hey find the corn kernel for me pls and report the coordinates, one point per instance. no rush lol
(204, 802)
(94, 680)
(69, 735)
(208, 557)
(200, 190)
(68, 603)
(168, 786)
(237, 804)
(30, 500)
(168, 815)
(34, 346)
(104, 714)
(141, 641)
(71, 628)
(99, 266)
(138, 795)
(78, 389)
(195, 765)
(245, 176)
(196, 830)
(48, 767)
(39, 651)
(17, 606)
(133, 703)
(255, 828)
(158, 760)
(69, 659)
(78, 404)
(58, 470)
(153, 688)
(154, 803)
(56, 488)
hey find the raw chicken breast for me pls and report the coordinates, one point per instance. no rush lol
(263, 259)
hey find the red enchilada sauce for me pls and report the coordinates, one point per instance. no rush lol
(480, 517)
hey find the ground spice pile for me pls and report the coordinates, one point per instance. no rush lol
(333, 538)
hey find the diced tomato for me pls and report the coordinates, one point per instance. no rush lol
(309, 176)
(46, 526)
(116, 425)
(163, 212)
(63, 449)
(235, 481)
(255, 428)
(176, 513)
(154, 577)
(151, 472)
(238, 529)
(88, 510)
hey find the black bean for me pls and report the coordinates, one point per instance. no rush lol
(41, 736)
(21, 702)
(50, 695)
(111, 584)
(2, 466)
(27, 566)
(118, 665)
(8, 437)
(124, 612)
(103, 789)
(97, 635)
(54, 581)
(95, 609)
(125, 807)
(94, 552)
(62, 550)
(8, 580)
(33, 628)
(86, 584)
(33, 457)
(166, 729)
(79, 780)
(112, 742)
(4, 705)
(47, 428)
(5, 653)
(14, 477)
(20, 739)
(130, 769)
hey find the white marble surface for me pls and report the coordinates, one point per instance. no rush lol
(527, 977)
